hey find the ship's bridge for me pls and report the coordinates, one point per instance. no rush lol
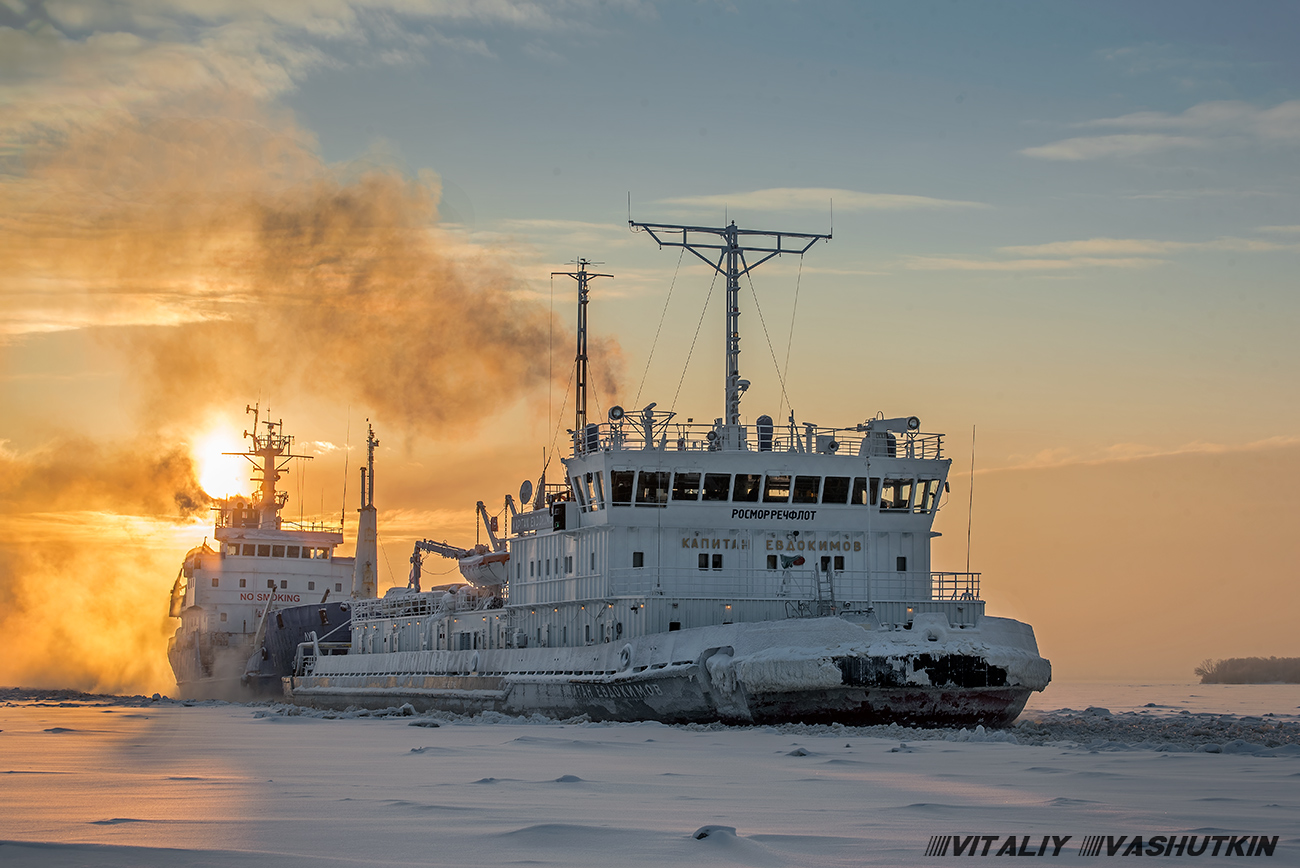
(739, 512)
(828, 477)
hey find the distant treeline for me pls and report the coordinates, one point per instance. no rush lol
(1250, 670)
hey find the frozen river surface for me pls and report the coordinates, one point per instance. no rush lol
(116, 782)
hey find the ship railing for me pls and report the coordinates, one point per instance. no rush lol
(801, 583)
(629, 435)
(317, 526)
(228, 518)
(304, 662)
(420, 605)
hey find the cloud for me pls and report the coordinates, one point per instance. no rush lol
(1211, 124)
(1119, 453)
(1095, 253)
(817, 199)
(1142, 247)
(1098, 147)
(950, 263)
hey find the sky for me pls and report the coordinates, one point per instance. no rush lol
(1068, 229)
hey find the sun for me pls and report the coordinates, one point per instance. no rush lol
(221, 475)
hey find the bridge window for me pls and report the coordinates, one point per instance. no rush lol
(746, 487)
(716, 486)
(264, 551)
(836, 490)
(593, 502)
(927, 494)
(805, 488)
(232, 548)
(860, 491)
(620, 485)
(777, 489)
(600, 490)
(897, 494)
(579, 492)
(638, 560)
(652, 488)
(277, 551)
(306, 552)
(686, 486)
(291, 552)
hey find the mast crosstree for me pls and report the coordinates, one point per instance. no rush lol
(730, 244)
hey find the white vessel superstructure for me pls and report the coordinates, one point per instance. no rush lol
(729, 570)
(260, 564)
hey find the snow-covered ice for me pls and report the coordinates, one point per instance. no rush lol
(132, 781)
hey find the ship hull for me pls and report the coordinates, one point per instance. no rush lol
(814, 670)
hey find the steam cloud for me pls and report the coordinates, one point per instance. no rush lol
(239, 258)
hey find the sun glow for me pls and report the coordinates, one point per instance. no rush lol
(219, 474)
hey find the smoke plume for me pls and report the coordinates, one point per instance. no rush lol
(242, 263)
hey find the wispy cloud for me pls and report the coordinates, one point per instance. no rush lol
(951, 263)
(1122, 145)
(1128, 452)
(817, 199)
(1222, 123)
(1141, 247)
(1097, 253)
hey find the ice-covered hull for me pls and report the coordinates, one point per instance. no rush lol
(812, 670)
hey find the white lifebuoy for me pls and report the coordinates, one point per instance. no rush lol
(625, 657)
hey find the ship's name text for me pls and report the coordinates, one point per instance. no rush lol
(778, 514)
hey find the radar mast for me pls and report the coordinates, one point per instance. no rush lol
(731, 245)
(582, 276)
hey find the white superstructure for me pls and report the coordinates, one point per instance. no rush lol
(260, 563)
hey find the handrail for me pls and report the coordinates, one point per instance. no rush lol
(866, 586)
(624, 436)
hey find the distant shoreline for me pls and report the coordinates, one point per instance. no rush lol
(1250, 670)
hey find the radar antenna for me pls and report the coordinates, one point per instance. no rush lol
(731, 245)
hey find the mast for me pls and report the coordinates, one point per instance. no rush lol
(731, 245)
(582, 276)
(270, 454)
(364, 570)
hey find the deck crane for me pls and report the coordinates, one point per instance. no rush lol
(483, 566)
